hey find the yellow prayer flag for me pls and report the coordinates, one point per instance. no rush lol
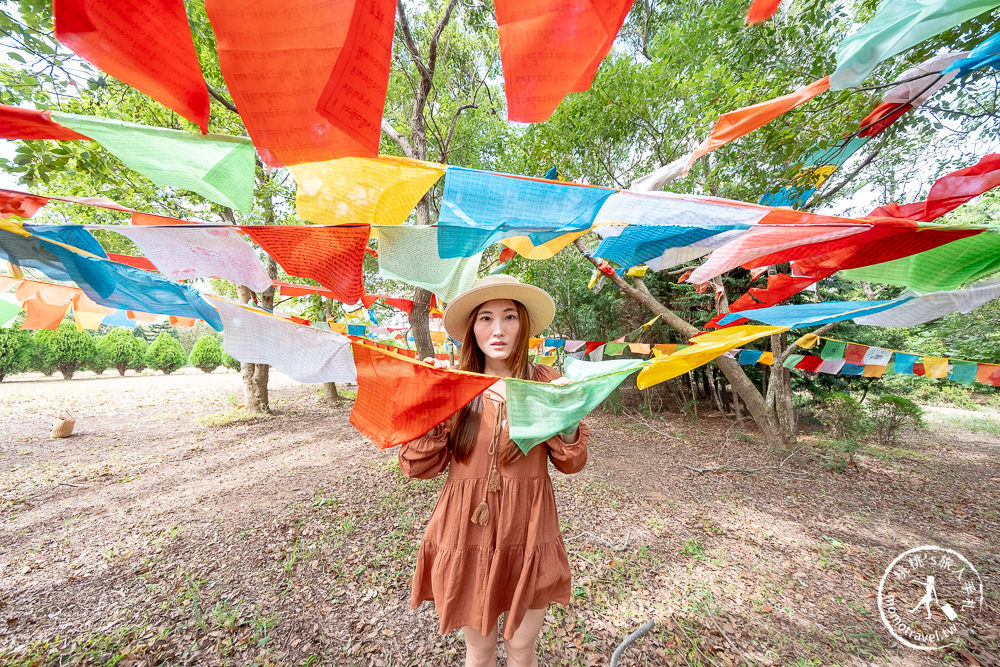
(935, 367)
(638, 272)
(808, 341)
(439, 337)
(767, 359)
(872, 371)
(703, 349)
(368, 191)
(546, 360)
(650, 323)
(523, 246)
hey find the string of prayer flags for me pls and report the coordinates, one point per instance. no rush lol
(949, 192)
(761, 10)
(480, 208)
(400, 399)
(812, 314)
(896, 26)
(638, 244)
(410, 253)
(303, 353)
(704, 348)
(29, 124)
(186, 252)
(927, 307)
(144, 43)
(26, 251)
(539, 410)
(73, 235)
(332, 256)
(815, 169)
(309, 78)
(552, 48)
(218, 167)
(370, 191)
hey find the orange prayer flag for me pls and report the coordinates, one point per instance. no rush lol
(400, 399)
(182, 321)
(151, 219)
(872, 371)
(761, 10)
(666, 348)
(332, 256)
(988, 374)
(87, 312)
(550, 48)
(144, 43)
(140, 316)
(639, 348)
(309, 78)
(767, 359)
(738, 123)
(42, 315)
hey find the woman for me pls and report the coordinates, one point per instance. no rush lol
(492, 544)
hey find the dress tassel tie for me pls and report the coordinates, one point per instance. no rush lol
(481, 515)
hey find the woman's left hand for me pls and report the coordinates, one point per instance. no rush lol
(561, 381)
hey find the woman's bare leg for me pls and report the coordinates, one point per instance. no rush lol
(522, 646)
(480, 649)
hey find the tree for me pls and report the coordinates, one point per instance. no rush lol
(121, 349)
(97, 363)
(140, 359)
(206, 353)
(67, 350)
(39, 354)
(230, 362)
(15, 351)
(165, 354)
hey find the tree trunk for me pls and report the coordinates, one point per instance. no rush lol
(330, 394)
(420, 322)
(255, 376)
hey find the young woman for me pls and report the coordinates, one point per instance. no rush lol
(492, 544)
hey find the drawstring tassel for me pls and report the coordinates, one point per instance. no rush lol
(493, 483)
(481, 514)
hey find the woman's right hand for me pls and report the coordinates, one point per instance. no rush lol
(437, 363)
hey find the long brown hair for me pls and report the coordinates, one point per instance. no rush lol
(465, 422)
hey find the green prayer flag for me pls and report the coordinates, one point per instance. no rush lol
(614, 349)
(410, 253)
(792, 360)
(896, 26)
(946, 267)
(963, 371)
(538, 410)
(218, 167)
(833, 350)
(8, 312)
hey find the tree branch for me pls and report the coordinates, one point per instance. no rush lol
(402, 141)
(850, 177)
(411, 46)
(222, 99)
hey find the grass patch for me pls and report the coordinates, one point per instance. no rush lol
(236, 416)
(974, 424)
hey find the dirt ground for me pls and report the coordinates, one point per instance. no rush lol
(171, 529)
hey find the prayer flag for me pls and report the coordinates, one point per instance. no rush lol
(811, 314)
(852, 369)
(615, 349)
(793, 360)
(988, 374)
(873, 371)
(833, 349)
(749, 357)
(28, 124)
(309, 78)
(761, 10)
(831, 366)
(20, 204)
(400, 399)
(144, 43)
(963, 371)
(927, 307)
(985, 54)
(810, 363)
(903, 363)
(877, 356)
(935, 367)
(410, 253)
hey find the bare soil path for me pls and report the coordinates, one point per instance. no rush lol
(167, 530)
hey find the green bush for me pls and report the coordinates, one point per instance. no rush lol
(959, 397)
(98, 363)
(838, 455)
(165, 354)
(40, 360)
(206, 353)
(122, 350)
(68, 350)
(889, 414)
(15, 351)
(843, 417)
(230, 361)
(140, 361)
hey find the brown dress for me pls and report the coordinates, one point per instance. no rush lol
(516, 561)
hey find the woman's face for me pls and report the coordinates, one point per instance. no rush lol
(497, 325)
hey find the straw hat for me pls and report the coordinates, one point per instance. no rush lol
(540, 306)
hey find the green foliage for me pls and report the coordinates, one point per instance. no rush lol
(15, 351)
(843, 416)
(66, 349)
(39, 361)
(121, 349)
(206, 354)
(230, 362)
(165, 354)
(838, 455)
(140, 361)
(889, 414)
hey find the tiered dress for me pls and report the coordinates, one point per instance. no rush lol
(516, 560)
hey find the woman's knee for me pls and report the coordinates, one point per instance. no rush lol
(480, 649)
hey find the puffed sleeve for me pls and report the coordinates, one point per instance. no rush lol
(427, 456)
(567, 457)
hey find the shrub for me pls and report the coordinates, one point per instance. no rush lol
(97, 363)
(165, 354)
(843, 416)
(140, 360)
(229, 361)
(39, 361)
(122, 349)
(838, 455)
(889, 414)
(69, 350)
(15, 351)
(206, 353)
(959, 397)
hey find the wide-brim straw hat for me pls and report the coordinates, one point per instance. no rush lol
(540, 306)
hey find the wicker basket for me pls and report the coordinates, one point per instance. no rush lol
(62, 425)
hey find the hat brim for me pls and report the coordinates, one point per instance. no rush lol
(540, 306)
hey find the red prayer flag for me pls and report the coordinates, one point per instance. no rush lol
(810, 363)
(400, 399)
(332, 256)
(592, 345)
(405, 305)
(19, 204)
(761, 10)
(988, 374)
(855, 354)
(550, 48)
(144, 43)
(309, 78)
(17, 123)
(288, 289)
(368, 300)
(137, 262)
(881, 117)
(949, 192)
